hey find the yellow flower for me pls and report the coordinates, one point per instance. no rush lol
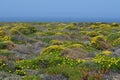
(4, 64)
(79, 61)
(59, 33)
(6, 38)
(76, 46)
(107, 52)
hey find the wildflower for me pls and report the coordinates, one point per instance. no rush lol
(107, 52)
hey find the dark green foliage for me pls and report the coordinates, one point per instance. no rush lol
(113, 36)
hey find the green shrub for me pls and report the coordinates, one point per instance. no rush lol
(28, 64)
(4, 66)
(5, 52)
(3, 45)
(73, 73)
(103, 32)
(48, 57)
(32, 78)
(24, 29)
(114, 24)
(71, 27)
(53, 54)
(116, 42)
(83, 32)
(107, 62)
(47, 33)
(20, 72)
(113, 36)
(46, 40)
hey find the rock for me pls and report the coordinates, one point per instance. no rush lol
(39, 44)
(117, 52)
(111, 76)
(37, 47)
(53, 77)
(30, 72)
(30, 48)
(7, 76)
(86, 38)
(21, 37)
(28, 51)
(21, 49)
(12, 78)
(11, 65)
(116, 77)
(10, 46)
(19, 56)
(91, 54)
(114, 48)
(25, 56)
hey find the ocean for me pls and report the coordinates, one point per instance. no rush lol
(57, 19)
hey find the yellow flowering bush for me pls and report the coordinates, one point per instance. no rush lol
(107, 62)
(53, 49)
(105, 27)
(93, 27)
(2, 33)
(56, 42)
(58, 33)
(100, 42)
(28, 64)
(76, 45)
(24, 29)
(107, 52)
(70, 49)
(6, 38)
(92, 33)
(83, 32)
(71, 27)
(114, 24)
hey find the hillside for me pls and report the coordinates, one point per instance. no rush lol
(59, 51)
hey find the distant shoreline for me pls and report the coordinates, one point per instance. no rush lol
(61, 19)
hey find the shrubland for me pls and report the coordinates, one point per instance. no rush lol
(78, 51)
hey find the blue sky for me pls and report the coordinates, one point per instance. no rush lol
(60, 8)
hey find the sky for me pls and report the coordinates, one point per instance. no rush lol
(60, 8)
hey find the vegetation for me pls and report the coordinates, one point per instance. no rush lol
(77, 51)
